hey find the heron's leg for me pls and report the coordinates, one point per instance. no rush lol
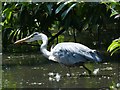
(89, 71)
(69, 71)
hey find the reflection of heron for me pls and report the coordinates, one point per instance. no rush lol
(67, 53)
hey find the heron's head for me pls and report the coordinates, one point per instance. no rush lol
(33, 37)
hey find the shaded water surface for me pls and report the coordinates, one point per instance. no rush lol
(35, 71)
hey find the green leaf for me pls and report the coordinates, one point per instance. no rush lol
(60, 7)
(114, 47)
(114, 13)
(117, 40)
(6, 10)
(9, 16)
(67, 11)
(18, 34)
(49, 7)
(115, 50)
(111, 45)
(11, 35)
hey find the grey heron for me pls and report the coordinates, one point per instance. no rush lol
(66, 53)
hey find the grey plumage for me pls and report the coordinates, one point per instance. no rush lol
(69, 53)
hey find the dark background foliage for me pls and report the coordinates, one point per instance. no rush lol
(94, 24)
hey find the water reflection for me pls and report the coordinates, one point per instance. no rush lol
(54, 76)
(34, 71)
(95, 72)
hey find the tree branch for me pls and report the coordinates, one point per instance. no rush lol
(56, 35)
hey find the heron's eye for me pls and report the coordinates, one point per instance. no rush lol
(32, 36)
(35, 33)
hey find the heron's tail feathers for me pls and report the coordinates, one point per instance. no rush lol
(97, 56)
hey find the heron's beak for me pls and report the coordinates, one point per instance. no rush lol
(22, 40)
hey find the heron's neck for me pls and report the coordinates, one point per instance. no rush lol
(43, 47)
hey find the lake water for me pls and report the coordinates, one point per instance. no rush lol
(35, 71)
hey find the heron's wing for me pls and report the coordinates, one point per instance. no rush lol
(71, 53)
